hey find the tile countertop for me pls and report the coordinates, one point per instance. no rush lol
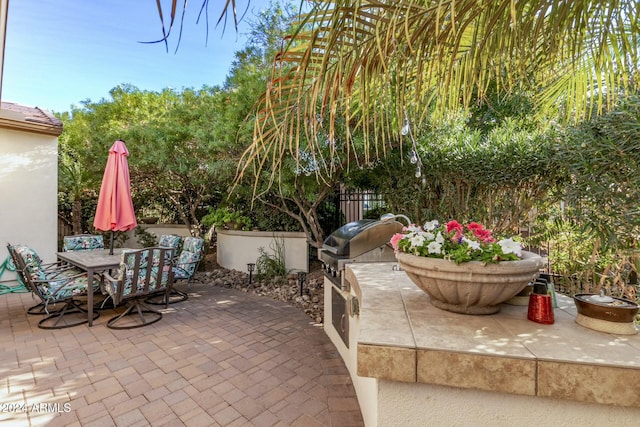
(404, 338)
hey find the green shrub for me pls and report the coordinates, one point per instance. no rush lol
(145, 238)
(227, 217)
(272, 265)
(270, 219)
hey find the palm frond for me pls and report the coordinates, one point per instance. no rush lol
(366, 62)
(204, 7)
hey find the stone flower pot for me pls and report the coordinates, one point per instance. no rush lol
(149, 220)
(471, 287)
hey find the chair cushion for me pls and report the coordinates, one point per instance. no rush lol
(169, 241)
(193, 244)
(111, 287)
(129, 262)
(189, 258)
(186, 265)
(32, 262)
(56, 290)
(127, 269)
(82, 243)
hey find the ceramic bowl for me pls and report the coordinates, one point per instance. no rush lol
(618, 310)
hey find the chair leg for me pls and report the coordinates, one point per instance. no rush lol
(163, 299)
(135, 308)
(103, 302)
(41, 309)
(57, 320)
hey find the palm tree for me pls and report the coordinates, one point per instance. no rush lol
(374, 65)
(168, 23)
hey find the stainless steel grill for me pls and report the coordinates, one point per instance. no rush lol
(366, 240)
(359, 241)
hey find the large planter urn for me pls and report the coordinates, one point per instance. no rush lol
(471, 287)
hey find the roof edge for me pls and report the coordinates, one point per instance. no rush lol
(30, 119)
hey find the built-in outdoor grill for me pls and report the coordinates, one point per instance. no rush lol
(366, 240)
(359, 241)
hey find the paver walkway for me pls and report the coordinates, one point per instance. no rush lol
(222, 357)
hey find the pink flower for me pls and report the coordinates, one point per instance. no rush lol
(454, 225)
(484, 235)
(394, 241)
(473, 226)
(480, 232)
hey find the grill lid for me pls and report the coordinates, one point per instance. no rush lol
(358, 237)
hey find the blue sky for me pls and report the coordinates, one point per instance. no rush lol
(61, 52)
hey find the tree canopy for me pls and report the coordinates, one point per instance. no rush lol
(372, 65)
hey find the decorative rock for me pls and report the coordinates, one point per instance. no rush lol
(286, 289)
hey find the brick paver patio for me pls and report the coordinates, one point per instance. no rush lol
(222, 357)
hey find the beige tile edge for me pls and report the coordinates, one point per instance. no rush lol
(387, 363)
(588, 383)
(584, 382)
(477, 371)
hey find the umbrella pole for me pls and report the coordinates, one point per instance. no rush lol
(111, 244)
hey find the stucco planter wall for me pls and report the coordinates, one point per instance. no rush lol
(238, 248)
(157, 230)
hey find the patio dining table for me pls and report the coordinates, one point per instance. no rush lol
(92, 261)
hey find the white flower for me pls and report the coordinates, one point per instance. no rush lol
(412, 228)
(434, 248)
(440, 238)
(431, 225)
(429, 236)
(472, 244)
(509, 246)
(417, 239)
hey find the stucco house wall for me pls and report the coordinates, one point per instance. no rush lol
(28, 180)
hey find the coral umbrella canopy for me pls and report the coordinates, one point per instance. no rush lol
(115, 207)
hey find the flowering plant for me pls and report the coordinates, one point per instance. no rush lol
(455, 242)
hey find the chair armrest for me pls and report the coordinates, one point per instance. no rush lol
(109, 277)
(55, 265)
(63, 279)
(52, 273)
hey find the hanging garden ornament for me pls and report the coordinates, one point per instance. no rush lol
(414, 157)
(405, 127)
(418, 172)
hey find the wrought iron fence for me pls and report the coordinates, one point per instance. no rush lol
(347, 206)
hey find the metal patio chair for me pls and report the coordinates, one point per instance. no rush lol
(184, 268)
(53, 285)
(50, 269)
(142, 273)
(20, 272)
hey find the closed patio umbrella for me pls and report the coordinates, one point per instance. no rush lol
(115, 207)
